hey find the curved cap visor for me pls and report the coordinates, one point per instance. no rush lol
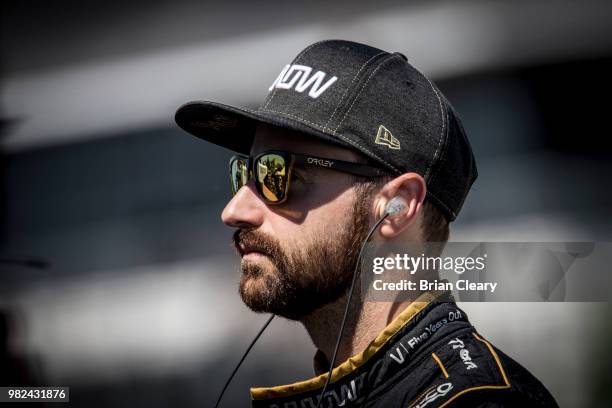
(234, 128)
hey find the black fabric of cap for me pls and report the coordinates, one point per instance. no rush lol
(378, 104)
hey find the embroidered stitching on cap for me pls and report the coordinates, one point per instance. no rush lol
(380, 64)
(349, 87)
(435, 157)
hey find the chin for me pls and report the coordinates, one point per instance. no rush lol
(258, 290)
(254, 287)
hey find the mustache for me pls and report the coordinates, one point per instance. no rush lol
(245, 240)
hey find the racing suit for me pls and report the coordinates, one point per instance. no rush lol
(429, 356)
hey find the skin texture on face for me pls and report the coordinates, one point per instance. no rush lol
(299, 255)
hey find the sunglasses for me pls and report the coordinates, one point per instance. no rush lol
(272, 171)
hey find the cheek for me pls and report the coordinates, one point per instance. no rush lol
(322, 223)
(318, 211)
(330, 217)
(310, 207)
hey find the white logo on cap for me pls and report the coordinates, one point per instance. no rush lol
(385, 138)
(301, 74)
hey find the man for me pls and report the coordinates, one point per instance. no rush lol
(344, 129)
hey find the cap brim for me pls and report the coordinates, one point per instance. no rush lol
(234, 128)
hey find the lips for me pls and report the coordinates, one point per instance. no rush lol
(249, 242)
(247, 249)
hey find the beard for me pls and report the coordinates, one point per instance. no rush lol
(296, 281)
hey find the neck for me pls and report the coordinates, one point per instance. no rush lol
(364, 322)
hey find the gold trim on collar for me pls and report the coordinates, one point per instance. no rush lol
(353, 362)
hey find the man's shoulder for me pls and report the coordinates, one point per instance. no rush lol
(465, 369)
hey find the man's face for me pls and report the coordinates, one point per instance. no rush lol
(299, 255)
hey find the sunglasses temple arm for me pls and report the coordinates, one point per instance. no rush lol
(357, 169)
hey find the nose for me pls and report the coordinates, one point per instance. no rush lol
(245, 209)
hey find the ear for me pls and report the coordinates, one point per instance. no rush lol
(409, 186)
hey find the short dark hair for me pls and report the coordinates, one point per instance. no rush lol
(434, 224)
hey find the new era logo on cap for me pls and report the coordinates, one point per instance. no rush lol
(385, 138)
(301, 74)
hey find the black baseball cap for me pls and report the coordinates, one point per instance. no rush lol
(362, 98)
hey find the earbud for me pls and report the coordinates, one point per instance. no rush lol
(395, 206)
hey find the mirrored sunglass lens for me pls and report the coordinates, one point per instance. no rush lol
(239, 174)
(272, 177)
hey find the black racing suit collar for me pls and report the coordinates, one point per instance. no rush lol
(369, 372)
